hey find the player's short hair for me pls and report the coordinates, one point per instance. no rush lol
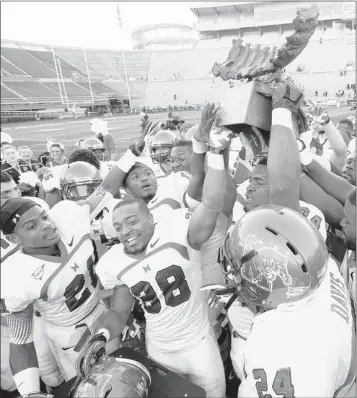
(137, 165)
(182, 143)
(7, 146)
(5, 177)
(84, 155)
(352, 197)
(346, 121)
(129, 201)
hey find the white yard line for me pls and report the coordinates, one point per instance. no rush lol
(46, 130)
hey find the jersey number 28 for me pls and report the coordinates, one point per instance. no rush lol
(173, 285)
(282, 384)
(77, 285)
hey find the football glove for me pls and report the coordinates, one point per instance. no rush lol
(219, 139)
(283, 95)
(253, 142)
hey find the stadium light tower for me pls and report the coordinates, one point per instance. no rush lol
(120, 23)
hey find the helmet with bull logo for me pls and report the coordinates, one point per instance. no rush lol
(275, 256)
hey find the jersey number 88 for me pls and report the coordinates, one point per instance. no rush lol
(173, 285)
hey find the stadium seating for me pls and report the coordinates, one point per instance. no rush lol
(72, 90)
(11, 69)
(46, 58)
(33, 90)
(28, 63)
(97, 88)
(8, 96)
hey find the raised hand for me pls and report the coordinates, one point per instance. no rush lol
(219, 139)
(209, 113)
(318, 114)
(138, 147)
(283, 95)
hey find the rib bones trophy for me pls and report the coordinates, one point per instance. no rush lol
(241, 105)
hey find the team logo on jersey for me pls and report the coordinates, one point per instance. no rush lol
(75, 267)
(147, 268)
(38, 274)
(71, 242)
(154, 243)
(266, 266)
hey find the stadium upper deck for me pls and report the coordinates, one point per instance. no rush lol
(32, 72)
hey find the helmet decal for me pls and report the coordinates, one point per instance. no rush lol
(267, 265)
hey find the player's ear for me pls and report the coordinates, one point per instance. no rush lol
(13, 238)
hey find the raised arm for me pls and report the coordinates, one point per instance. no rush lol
(336, 186)
(331, 208)
(337, 152)
(204, 218)
(200, 147)
(283, 155)
(114, 180)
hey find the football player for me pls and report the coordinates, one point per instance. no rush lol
(97, 147)
(160, 148)
(161, 266)
(53, 270)
(280, 265)
(49, 370)
(276, 181)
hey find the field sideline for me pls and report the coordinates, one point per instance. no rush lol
(123, 128)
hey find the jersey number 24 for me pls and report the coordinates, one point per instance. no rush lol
(173, 285)
(282, 384)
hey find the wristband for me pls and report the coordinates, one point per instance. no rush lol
(215, 161)
(282, 117)
(127, 161)
(105, 332)
(28, 381)
(199, 147)
(306, 157)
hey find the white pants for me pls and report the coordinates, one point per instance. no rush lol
(238, 345)
(63, 339)
(7, 381)
(202, 365)
(49, 370)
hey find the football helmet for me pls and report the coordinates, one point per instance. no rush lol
(96, 146)
(114, 377)
(79, 180)
(273, 255)
(161, 145)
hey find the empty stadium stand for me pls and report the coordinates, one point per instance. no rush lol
(27, 62)
(72, 90)
(10, 69)
(32, 90)
(7, 95)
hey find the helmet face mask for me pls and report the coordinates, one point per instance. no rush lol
(161, 146)
(160, 153)
(96, 146)
(79, 180)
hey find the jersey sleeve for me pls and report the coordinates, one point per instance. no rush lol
(315, 216)
(71, 218)
(107, 269)
(51, 178)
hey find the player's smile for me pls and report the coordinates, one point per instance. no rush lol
(51, 234)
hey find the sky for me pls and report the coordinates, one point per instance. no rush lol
(89, 24)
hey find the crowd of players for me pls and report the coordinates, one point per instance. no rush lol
(227, 244)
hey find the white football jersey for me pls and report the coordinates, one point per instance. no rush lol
(306, 349)
(64, 289)
(166, 280)
(241, 317)
(8, 248)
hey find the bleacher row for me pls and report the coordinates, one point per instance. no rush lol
(29, 72)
